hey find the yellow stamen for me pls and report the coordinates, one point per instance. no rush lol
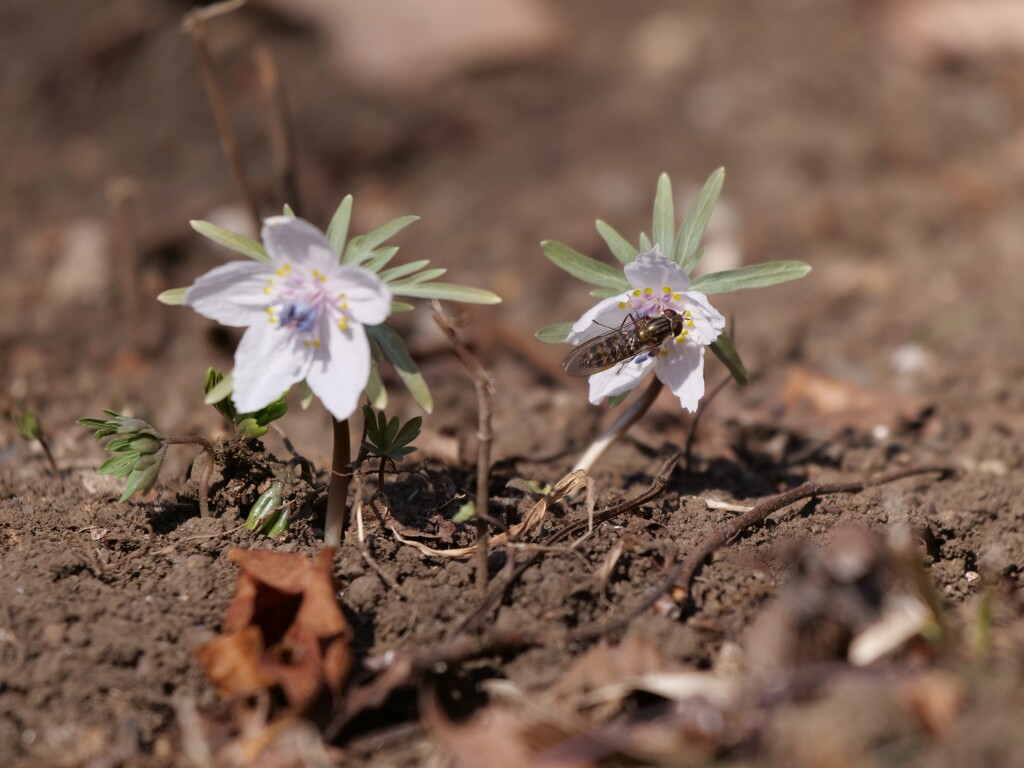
(666, 290)
(622, 305)
(636, 292)
(344, 305)
(689, 324)
(343, 325)
(267, 289)
(677, 296)
(648, 291)
(281, 272)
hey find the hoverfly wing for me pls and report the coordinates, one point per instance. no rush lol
(589, 357)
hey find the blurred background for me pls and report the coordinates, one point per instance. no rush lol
(879, 140)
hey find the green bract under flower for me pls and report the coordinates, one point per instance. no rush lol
(314, 305)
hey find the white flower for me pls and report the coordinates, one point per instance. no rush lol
(305, 314)
(658, 284)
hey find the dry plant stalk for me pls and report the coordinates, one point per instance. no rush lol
(485, 437)
(195, 24)
(122, 195)
(620, 426)
(279, 127)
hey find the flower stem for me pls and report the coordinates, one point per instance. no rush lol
(204, 477)
(621, 425)
(337, 491)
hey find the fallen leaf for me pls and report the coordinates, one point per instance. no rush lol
(283, 627)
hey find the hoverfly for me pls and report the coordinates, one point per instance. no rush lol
(636, 336)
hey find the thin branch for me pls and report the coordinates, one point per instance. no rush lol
(195, 24)
(279, 127)
(204, 477)
(727, 531)
(485, 437)
(620, 426)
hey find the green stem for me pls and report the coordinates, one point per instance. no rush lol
(337, 491)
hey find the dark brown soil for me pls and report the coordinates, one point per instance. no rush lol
(900, 184)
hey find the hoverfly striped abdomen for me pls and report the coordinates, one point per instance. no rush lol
(636, 336)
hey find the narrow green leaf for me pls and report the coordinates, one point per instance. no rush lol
(419, 277)
(220, 390)
(614, 400)
(465, 513)
(645, 243)
(391, 431)
(664, 224)
(754, 276)
(237, 243)
(394, 349)
(380, 257)
(118, 466)
(375, 390)
(289, 211)
(617, 244)
(448, 292)
(583, 267)
(401, 306)
(606, 293)
(359, 249)
(696, 222)
(554, 334)
(726, 352)
(337, 230)
(173, 297)
(409, 431)
(394, 273)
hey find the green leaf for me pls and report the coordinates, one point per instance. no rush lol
(448, 292)
(419, 277)
(289, 211)
(614, 400)
(278, 523)
(394, 273)
(583, 267)
(390, 432)
(554, 334)
(696, 222)
(401, 306)
(409, 432)
(306, 396)
(375, 390)
(726, 352)
(250, 427)
(118, 465)
(617, 244)
(237, 243)
(645, 243)
(466, 513)
(337, 230)
(173, 297)
(379, 258)
(754, 276)
(394, 349)
(220, 390)
(605, 293)
(664, 224)
(359, 249)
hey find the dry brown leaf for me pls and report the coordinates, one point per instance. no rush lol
(930, 32)
(283, 627)
(843, 404)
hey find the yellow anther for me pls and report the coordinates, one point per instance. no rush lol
(622, 305)
(305, 343)
(689, 324)
(281, 272)
(341, 295)
(648, 291)
(316, 343)
(687, 313)
(343, 325)
(344, 305)
(267, 289)
(636, 292)
(666, 290)
(663, 351)
(677, 296)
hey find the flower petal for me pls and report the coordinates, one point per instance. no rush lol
(708, 322)
(369, 299)
(340, 370)
(682, 370)
(232, 294)
(604, 316)
(621, 378)
(288, 239)
(652, 270)
(269, 359)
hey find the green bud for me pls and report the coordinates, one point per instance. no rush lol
(28, 424)
(266, 505)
